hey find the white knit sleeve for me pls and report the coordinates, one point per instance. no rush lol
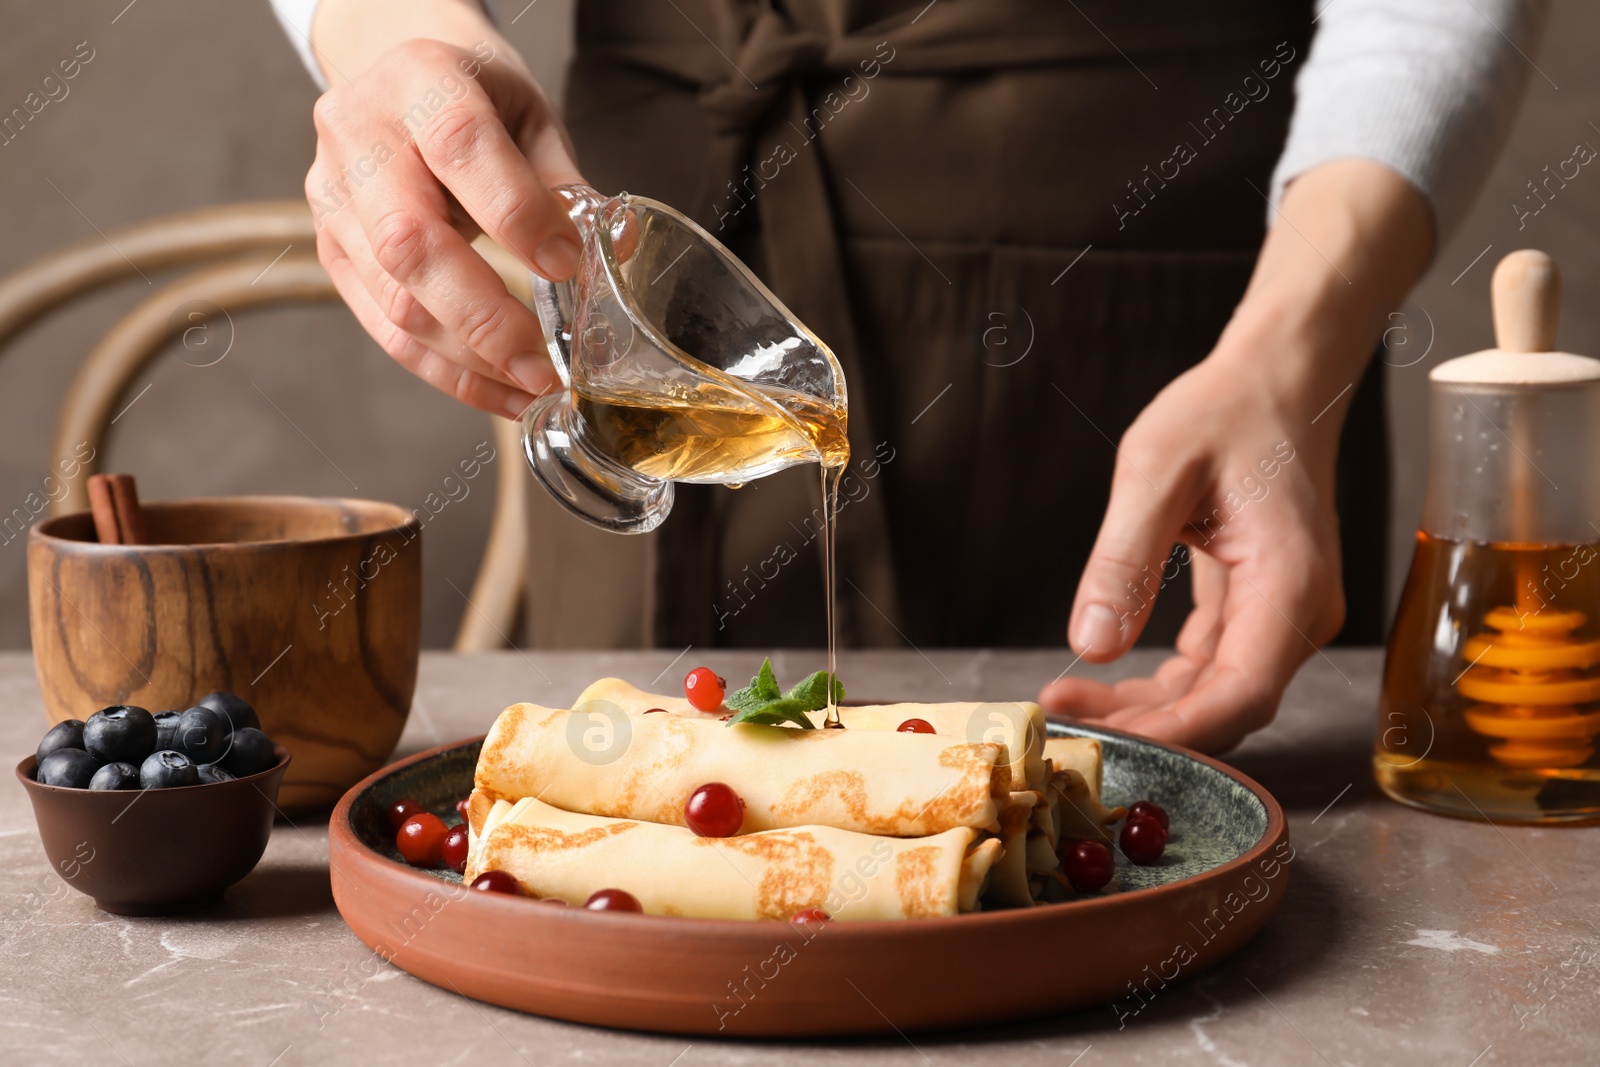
(1427, 87)
(295, 17)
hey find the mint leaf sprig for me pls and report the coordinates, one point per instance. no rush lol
(763, 702)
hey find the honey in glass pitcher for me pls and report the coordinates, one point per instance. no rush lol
(1490, 705)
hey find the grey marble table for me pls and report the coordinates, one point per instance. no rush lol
(1401, 938)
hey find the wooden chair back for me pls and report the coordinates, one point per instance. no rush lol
(244, 256)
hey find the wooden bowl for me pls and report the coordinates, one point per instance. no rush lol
(308, 608)
(1224, 874)
(155, 851)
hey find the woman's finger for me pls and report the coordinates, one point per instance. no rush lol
(1270, 612)
(1212, 718)
(399, 308)
(1128, 718)
(1085, 698)
(466, 144)
(403, 215)
(1143, 519)
(447, 376)
(1081, 698)
(1208, 585)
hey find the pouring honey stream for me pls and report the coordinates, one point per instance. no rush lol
(1491, 696)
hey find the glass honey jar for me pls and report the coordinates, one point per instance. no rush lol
(1491, 687)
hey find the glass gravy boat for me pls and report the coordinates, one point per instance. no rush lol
(677, 364)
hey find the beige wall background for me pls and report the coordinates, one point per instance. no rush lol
(188, 104)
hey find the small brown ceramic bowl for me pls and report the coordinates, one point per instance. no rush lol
(156, 851)
(308, 608)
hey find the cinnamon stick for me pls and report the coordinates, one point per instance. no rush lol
(104, 510)
(130, 516)
(114, 502)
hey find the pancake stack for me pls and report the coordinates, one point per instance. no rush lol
(864, 823)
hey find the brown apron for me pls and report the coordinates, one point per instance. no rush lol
(1014, 221)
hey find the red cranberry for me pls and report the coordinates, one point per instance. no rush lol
(461, 808)
(613, 900)
(403, 809)
(454, 849)
(810, 915)
(714, 810)
(1087, 865)
(1143, 840)
(1152, 809)
(420, 839)
(915, 726)
(704, 689)
(496, 882)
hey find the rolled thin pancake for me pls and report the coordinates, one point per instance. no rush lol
(1074, 789)
(1081, 754)
(767, 875)
(1017, 725)
(635, 701)
(1028, 849)
(1029, 846)
(646, 766)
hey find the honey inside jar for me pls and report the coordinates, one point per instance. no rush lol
(1491, 689)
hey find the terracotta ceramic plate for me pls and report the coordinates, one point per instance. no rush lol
(1224, 872)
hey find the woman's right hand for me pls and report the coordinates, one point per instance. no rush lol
(425, 149)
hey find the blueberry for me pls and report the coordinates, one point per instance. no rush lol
(115, 776)
(120, 734)
(166, 729)
(203, 735)
(237, 710)
(65, 734)
(251, 753)
(212, 773)
(167, 768)
(71, 767)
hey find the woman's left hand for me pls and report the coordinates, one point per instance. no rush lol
(1235, 460)
(1215, 463)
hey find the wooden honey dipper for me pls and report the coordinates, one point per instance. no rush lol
(1529, 674)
